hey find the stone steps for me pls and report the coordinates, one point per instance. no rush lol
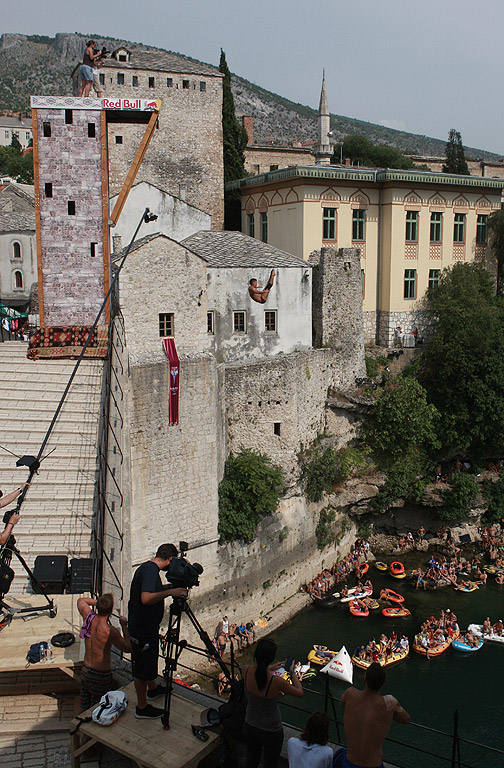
(57, 513)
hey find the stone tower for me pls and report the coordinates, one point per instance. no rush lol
(323, 153)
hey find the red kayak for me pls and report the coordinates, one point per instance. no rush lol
(393, 613)
(393, 597)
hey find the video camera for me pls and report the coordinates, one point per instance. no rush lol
(182, 573)
(104, 52)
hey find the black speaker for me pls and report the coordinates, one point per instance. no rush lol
(81, 575)
(6, 576)
(51, 571)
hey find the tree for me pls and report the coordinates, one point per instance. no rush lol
(250, 489)
(496, 231)
(361, 150)
(13, 163)
(235, 139)
(400, 432)
(455, 159)
(462, 367)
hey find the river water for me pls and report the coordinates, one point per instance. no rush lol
(430, 690)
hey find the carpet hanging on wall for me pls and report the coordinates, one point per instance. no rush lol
(67, 341)
(173, 358)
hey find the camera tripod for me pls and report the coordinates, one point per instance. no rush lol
(6, 553)
(175, 646)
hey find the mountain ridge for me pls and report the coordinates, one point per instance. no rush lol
(31, 64)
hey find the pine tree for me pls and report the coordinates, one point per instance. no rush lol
(455, 159)
(234, 135)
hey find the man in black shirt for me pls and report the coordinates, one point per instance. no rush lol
(145, 613)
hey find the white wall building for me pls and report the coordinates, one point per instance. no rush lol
(21, 127)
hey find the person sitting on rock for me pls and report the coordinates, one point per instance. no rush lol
(259, 294)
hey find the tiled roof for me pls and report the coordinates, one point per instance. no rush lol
(162, 61)
(14, 122)
(234, 249)
(13, 221)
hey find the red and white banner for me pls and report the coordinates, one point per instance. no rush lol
(173, 358)
(142, 105)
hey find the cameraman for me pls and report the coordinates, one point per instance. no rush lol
(145, 613)
(4, 501)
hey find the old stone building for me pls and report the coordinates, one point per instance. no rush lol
(185, 155)
(18, 253)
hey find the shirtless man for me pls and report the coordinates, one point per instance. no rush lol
(99, 637)
(259, 294)
(367, 719)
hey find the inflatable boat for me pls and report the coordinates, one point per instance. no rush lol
(466, 589)
(359, 610)
(476, 629)
(397, 570)
(321, 657)
(459, 645)
(354, 595)
(391, 596)
(436, 650)
(396, 657)
(393, 613)
(381, 566)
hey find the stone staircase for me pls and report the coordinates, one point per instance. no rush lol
(56, 516)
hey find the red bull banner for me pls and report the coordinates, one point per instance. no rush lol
(141, 105)
(173, 358)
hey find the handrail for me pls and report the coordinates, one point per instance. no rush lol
(116, 485)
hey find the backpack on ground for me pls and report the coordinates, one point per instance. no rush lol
(33, 655)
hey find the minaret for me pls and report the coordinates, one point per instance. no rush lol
(323, 152)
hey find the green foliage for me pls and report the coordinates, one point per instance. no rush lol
(373, 365)
(462, 368)
(250, 489)
(324, 532)
(494, 493)
(327, 468)
(401, 421)
(363, 151)
(455, 159)
(234, 136)
(459, 498)
(496, 240)
(13, 163)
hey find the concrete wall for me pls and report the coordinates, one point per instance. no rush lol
(290, 297)
(176, 218)
(260, 159)
(73, 280)
(27, 265)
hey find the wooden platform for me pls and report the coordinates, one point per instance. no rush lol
(54, 676)
(145, 742)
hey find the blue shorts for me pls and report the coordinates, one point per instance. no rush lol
(86, 73)
(340, 760)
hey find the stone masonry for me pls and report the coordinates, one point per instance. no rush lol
(73, 278)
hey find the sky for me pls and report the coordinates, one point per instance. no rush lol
(423, 66)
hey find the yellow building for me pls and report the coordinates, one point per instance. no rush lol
(409, 225)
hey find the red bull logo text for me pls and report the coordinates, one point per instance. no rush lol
(137, 104)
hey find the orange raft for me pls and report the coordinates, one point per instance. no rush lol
(360, 609)
(397, 570)
(391, 596)
(438, 649)
(398, 612)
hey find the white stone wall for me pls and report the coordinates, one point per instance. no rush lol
(163, 277)
(27, 264)
(176, 218)
(290, 297)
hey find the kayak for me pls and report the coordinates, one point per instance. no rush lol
(458, 645)
(381, 566)
(397, 570)
(360, 610)
(391, 596)
(321, 660)
(393, 659)
(437, 650)
(354, 595)
(466, 589)
(398, 612)
(476, 629)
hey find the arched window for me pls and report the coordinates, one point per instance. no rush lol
(16, 250)
(18, 279)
